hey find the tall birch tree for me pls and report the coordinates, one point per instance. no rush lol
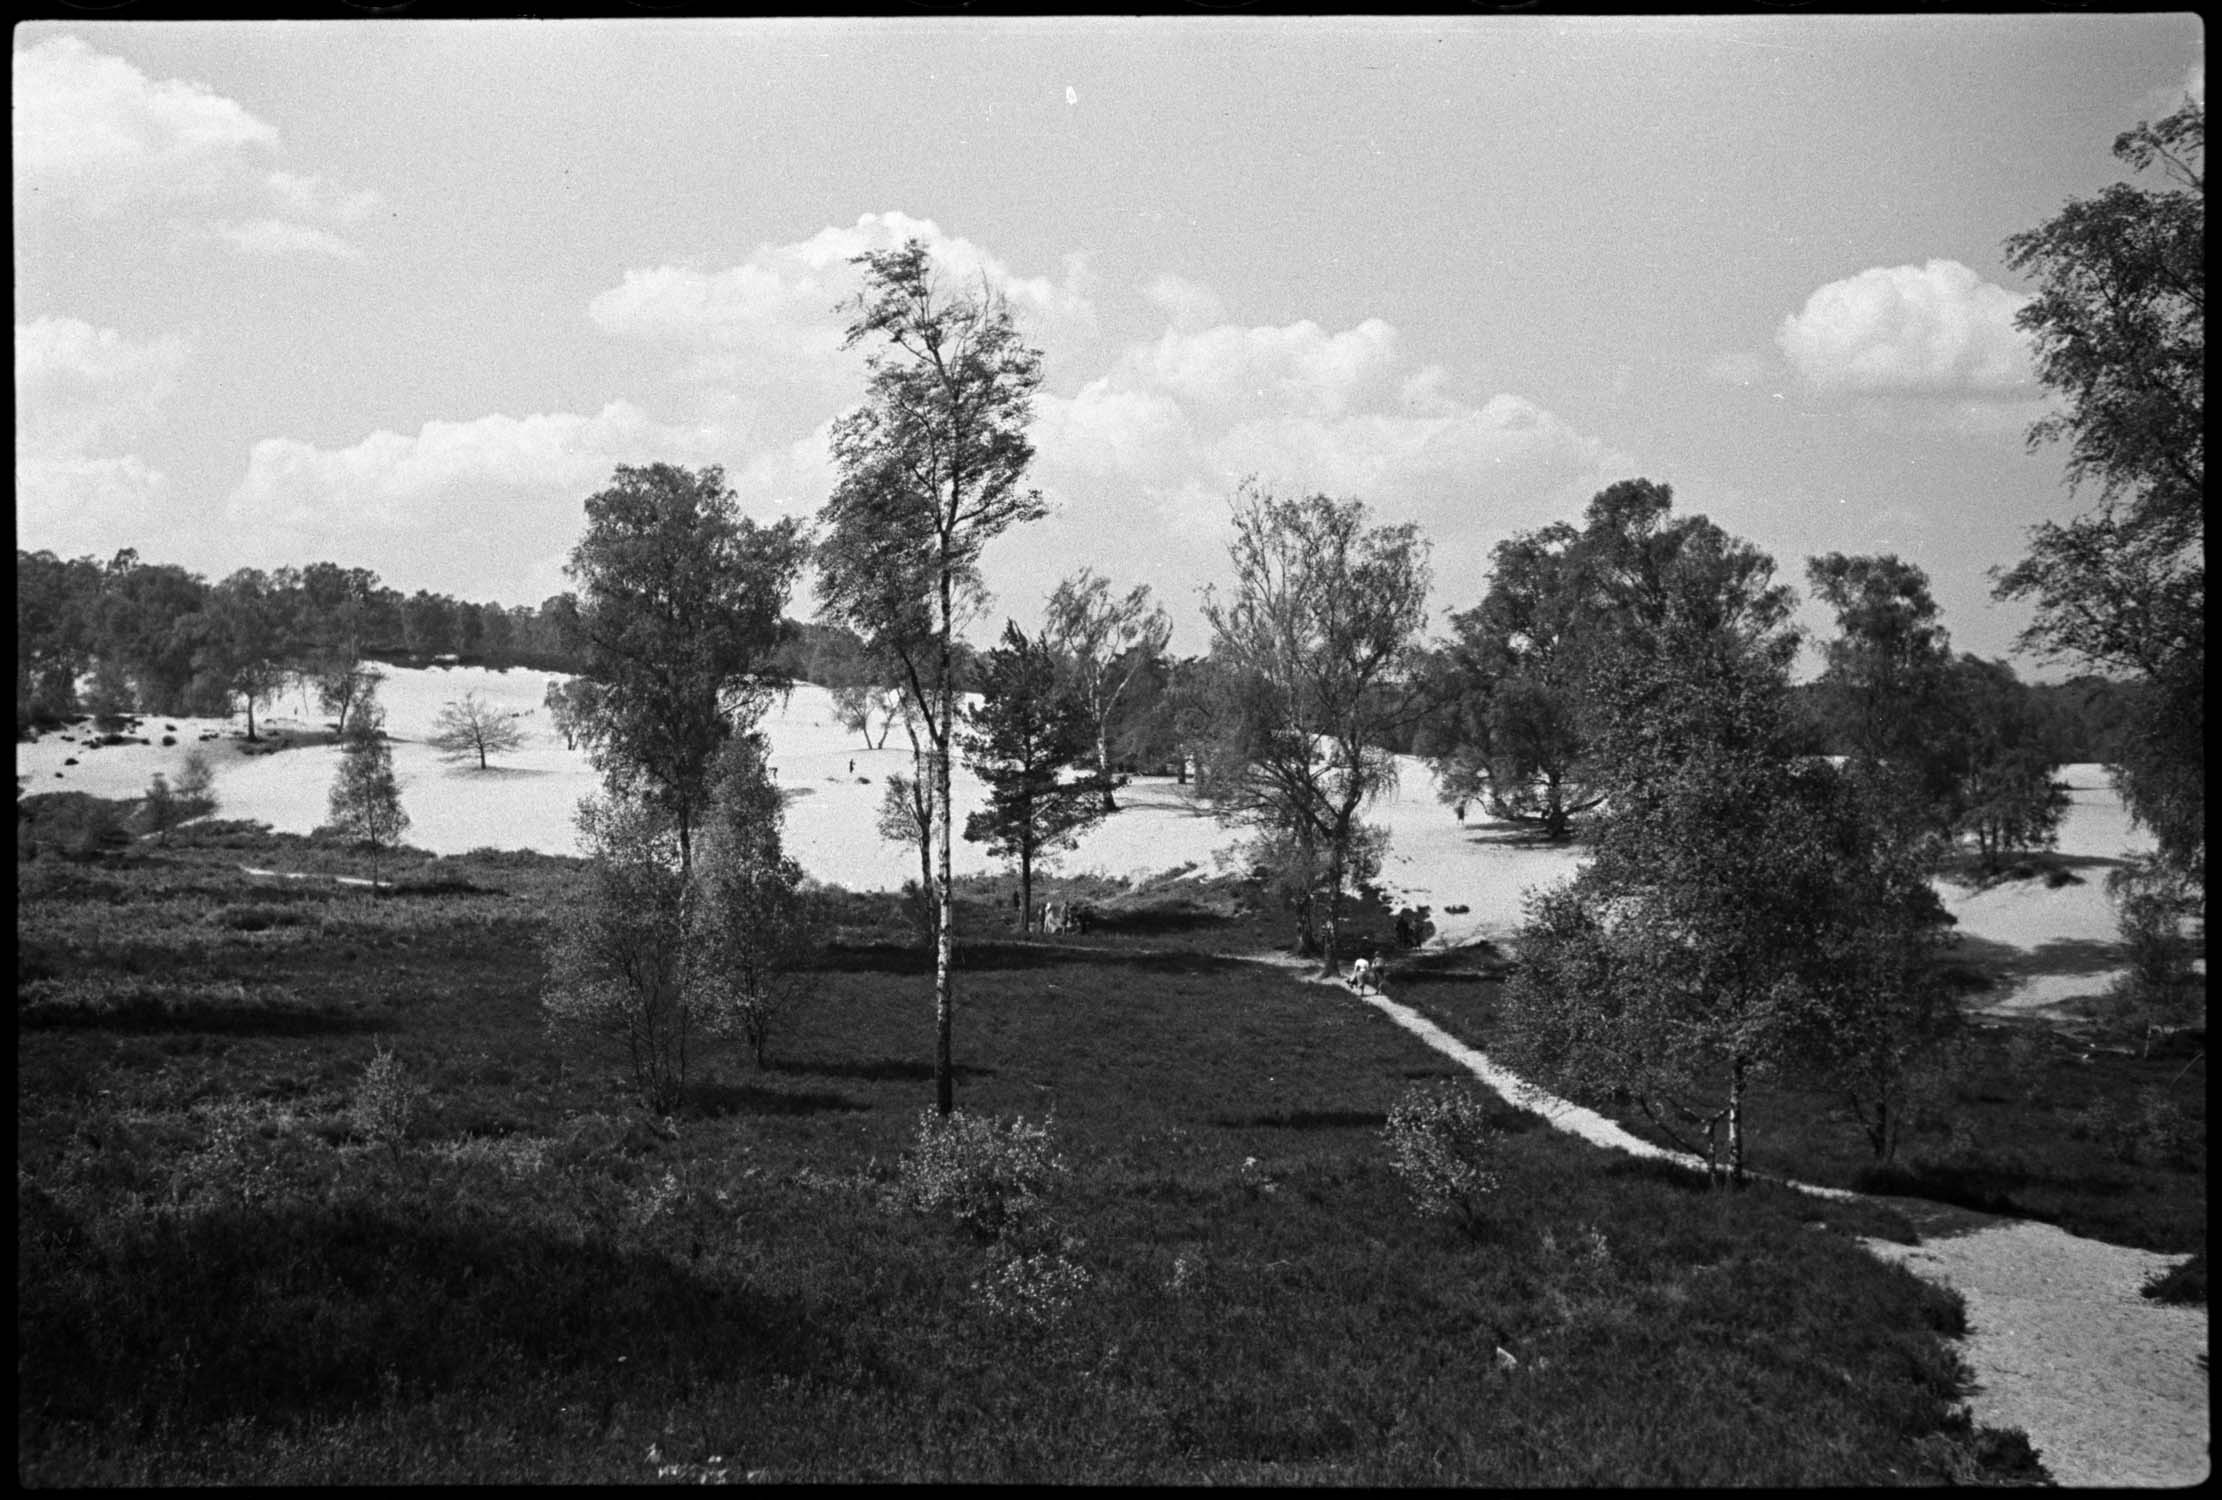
(930, 470)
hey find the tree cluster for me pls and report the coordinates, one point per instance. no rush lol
(155, 638)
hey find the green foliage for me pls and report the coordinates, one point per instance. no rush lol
(1518, 668)
(2002, 792)
(1319, 631)
(992, 1176)
(1020, 738)
(619, 959)
(74, 823)
(1747, 911)
(1106, 646)
(365, 800)
(385, 1102)
(756, 930)
(2119, 325)
(573, 705)
(2158, 987)
(1884, 697)
(679, 612)
(930, 470)
(1443, 1146)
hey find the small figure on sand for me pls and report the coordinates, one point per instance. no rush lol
(1460, 809)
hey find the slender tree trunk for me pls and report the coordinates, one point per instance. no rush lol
(1331, 964)
(1103, 766)
(944, 896)
(1025, 889)
(1736, 1123)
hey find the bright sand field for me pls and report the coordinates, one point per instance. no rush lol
(2054, 944)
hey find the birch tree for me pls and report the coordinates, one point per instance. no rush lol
(930, 470)
(1107, 643)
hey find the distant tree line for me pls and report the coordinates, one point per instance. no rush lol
(155, 638)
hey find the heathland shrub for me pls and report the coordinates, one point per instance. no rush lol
(1442, 1145)
(384, 1102)
(989, 1175)
(1037, 1287)
(2151, 1127)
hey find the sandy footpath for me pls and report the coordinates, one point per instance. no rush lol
(2110, 1387)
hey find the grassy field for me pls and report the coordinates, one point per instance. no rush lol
(221, 1277)
(2097, 1139)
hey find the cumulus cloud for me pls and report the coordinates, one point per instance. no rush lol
(1937, 330)
(77, 386)
(95, 129)
(94, 134)
(1189, 305)
(772, 319)
(1145, 456)
(452, 475)
(311, 197)
(81, 395)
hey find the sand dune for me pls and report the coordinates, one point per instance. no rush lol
(2055, 944)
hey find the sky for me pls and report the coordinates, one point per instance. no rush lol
(402, 294)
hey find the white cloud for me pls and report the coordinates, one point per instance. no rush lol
(81, 395)
(772, 321)
(73, 504)
(309, 198)
(96, 130)
(95, 134)
(1142, 459)
(284, 237)
(77, 386)
(1937, 329)
(455, 475)
(1189, 305)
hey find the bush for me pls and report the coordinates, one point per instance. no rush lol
(1442, 1145)
(2152, 1126)
(384, 1102)
(2185, 1286)
(987, 1174)
(1036, 1288)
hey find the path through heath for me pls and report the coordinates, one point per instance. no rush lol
(2110, 1386)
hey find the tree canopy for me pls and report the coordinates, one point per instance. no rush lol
(1309, 648)
(2119, 327)
(931, 469)
(1021, 738)
(679, 612)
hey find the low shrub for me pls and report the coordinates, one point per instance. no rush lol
(1443, 1146)
(384, 1102)
(989, 1175)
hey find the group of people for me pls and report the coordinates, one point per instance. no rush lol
(1412, 927)
(1056, 917)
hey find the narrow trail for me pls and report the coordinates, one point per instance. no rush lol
(2110, 1387)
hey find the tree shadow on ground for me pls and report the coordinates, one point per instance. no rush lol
(316, 1310)
(156, 1012)
(1014, 955)
(714, 1100)
(872, 1070)
(1305, 1119)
